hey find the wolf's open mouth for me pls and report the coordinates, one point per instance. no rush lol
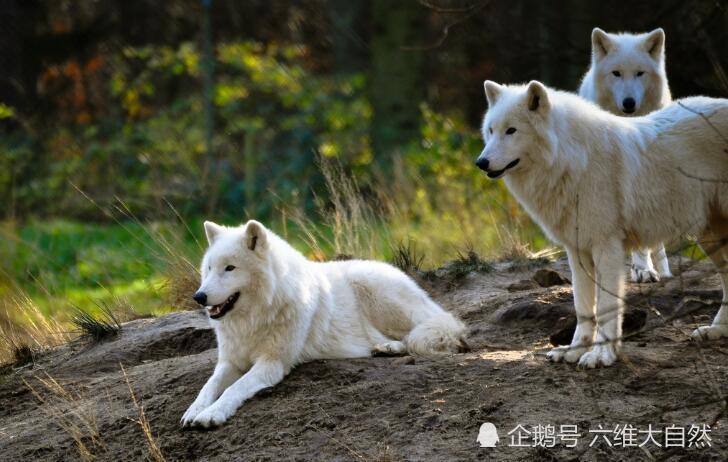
(219, 310)
(497, 173)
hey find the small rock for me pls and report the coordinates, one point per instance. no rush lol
(523, 284)
(565, 334)
(532, 311)
(547, 277)
(634, 320)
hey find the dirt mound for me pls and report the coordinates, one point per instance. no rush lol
(142, 340)
(77, 398)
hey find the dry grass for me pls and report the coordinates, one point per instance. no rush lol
(76, 415)
(25, 331)
(357, 227)
(155, 453)
(410, 221)
(181, 275)
(451, 213)
(73, 413)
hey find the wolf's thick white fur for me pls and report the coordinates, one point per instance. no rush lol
(600, 184)
(639, 62)
(291, 310)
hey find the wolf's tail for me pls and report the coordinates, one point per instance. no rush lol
(440, 333)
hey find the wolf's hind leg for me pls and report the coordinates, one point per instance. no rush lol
(661, 263)
(582, 271)
(642, 269)
(715, 244)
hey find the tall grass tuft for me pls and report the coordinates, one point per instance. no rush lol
(99, 327)
(407, 257)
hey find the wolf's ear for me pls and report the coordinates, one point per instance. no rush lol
(537, 97)
(256, 235)
(492, 92)
(601, 43)
(212, 230)
(655, 43)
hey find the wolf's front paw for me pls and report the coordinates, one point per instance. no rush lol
(569, 354)
(556, 355)
(599, 356)
(213, 416)
(641, 274)
(192, 412)
(710, 332)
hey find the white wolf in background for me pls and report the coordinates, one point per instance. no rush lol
(600, 184)
(627, 77)
(272, 309)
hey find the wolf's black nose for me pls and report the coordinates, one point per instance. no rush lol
(200, 297)
(482, 163)
(628, 104)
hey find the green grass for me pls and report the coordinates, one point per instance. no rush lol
(61, 264)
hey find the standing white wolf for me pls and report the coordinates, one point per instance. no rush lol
(600, 184)
(272, 309)
(627, 77)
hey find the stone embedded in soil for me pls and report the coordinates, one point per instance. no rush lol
(547, 277)
(634, 320)
(531, 310)
(523, 284)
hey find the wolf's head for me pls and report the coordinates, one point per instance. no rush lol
(236, 269)
(629, 71)
(516, 129)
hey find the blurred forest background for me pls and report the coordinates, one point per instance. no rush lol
(348, 126)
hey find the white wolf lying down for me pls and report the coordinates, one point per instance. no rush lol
(600, 184)
(627, 77)
(273, 309)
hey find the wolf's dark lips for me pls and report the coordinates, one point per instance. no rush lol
(497, 173)
(219, 310)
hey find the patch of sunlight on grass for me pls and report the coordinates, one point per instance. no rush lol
(141, 297)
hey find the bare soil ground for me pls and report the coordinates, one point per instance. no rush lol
(387, 408)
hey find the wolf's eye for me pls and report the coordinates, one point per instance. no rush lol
(640, 73)
(510, 131)
(616, 73)
(229, 268)
(490, 130)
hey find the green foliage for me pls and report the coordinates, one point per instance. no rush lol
(275, 116)
(148, 144)
(6, 112)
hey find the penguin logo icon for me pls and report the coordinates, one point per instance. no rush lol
(488, 435)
